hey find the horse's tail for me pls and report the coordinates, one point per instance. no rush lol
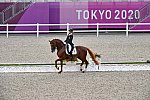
(93, 56)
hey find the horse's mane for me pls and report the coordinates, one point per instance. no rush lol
(60, 41)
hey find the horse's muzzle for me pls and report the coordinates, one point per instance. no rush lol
(52, 50)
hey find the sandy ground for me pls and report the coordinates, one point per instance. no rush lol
(75, 86)
(133, 85)
(113, 48)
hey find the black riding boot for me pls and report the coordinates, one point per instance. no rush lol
(71, 52)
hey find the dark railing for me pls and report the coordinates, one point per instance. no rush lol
(144, 13)
(12, 11)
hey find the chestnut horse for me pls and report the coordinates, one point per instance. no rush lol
(81, 53)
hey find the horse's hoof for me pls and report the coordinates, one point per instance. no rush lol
(59, 72)
(81, 70)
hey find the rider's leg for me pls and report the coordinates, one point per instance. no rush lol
(68, 48)
(72, 47)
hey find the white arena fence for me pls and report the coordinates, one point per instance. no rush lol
(97, 31)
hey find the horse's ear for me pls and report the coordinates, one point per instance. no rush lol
(49, 41)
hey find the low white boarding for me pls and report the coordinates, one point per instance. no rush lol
(73, 68)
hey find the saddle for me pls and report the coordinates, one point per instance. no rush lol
(68, 48)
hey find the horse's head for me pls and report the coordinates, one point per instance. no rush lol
(55, 43)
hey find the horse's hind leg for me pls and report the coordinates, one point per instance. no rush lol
(81, 66)
(86, 64)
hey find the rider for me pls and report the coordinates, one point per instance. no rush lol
(69, 40)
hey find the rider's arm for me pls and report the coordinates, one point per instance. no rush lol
(67, 38)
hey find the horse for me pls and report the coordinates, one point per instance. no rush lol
(61, 53)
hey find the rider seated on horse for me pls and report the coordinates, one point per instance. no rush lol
(69, 40)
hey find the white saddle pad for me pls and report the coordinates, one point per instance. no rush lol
(74, 52)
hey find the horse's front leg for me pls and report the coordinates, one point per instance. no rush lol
(56, 64)
(61, 62)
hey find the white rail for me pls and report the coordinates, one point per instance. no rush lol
(98, 25)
